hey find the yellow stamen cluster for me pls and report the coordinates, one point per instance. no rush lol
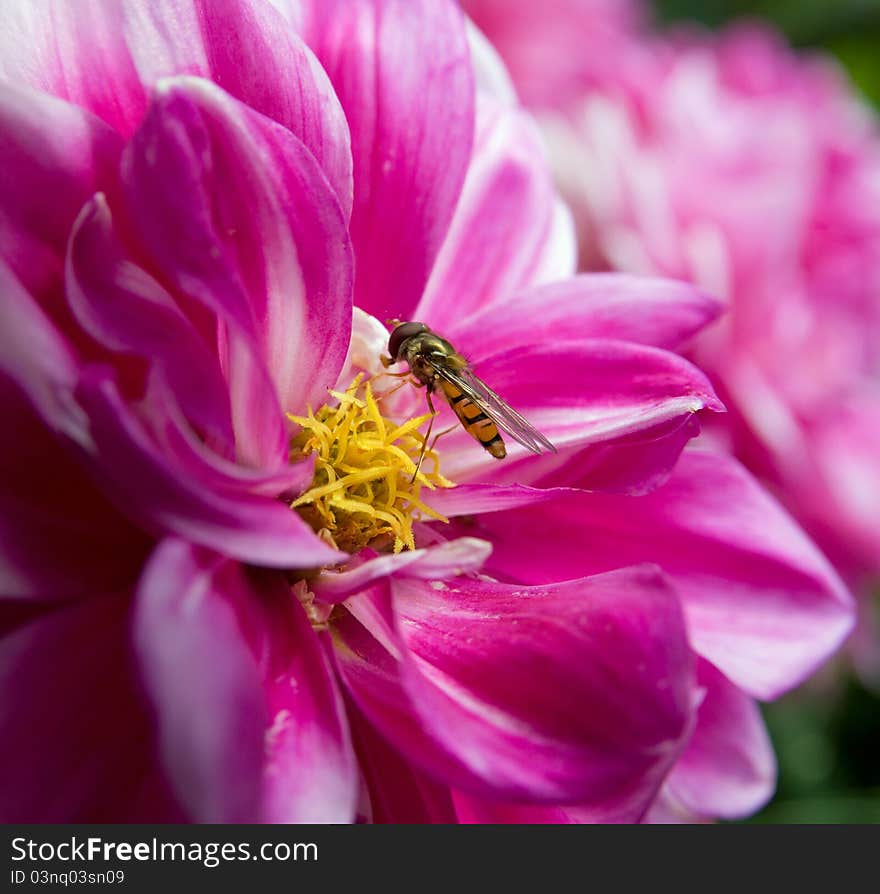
(364, 490)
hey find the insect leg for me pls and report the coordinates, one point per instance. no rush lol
(380, 375)
(440, 434)
(428, 435)
(381, 395)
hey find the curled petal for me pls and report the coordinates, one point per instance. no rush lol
(122, 307)
(311, 775)
(54, 157)
(210, 714)
(618, 413)
(369, 341)
(455, 557)
(247, 527)
(475, 499)
(553, 693)
(402, 72)
(257, 238)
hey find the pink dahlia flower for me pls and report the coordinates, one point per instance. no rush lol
(753, 172)
(225, 595)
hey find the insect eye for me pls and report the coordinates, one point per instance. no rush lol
(401, 333)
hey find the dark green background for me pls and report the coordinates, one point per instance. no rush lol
(827, 734)
(850, 29)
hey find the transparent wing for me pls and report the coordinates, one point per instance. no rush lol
(504, 416)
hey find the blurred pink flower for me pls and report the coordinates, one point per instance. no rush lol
(185, 189)
(753, 172)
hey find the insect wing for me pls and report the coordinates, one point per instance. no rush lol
(504, 416)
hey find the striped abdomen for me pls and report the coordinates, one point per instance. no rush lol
(475, 421)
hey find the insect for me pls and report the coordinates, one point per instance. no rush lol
(436, 364)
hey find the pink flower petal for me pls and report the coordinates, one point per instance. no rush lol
(552, 693)
(502, 223)
(192, 458)
(629, 807)
(455, 557)
(397, 792)
(617, 412)
(251, 528)
(246, 226)
(837, 493)
(402, 72)
(122, 307)
(728, 768)
(107, 55)
(75, 739)
(37, 358)
(61, 536)
(474, 499)
(54, 157)
(210, 715)
(258, 735)
(761, 603)
(248, 49)
(664, 313)
(490, 73)
(310, 773)
(75, 51)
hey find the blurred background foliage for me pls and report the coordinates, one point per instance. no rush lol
(827, 734)
(850, 29)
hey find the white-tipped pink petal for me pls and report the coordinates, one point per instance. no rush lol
(247, 48)
(502, 224)
(310, 774)
(258, 735)
(76, 51)
(247, 227)
(474, 499)
(107, 56)
(210, 714)
(761, 602)
(402, 71)
(664, 313)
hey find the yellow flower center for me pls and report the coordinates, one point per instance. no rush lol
(365, 490)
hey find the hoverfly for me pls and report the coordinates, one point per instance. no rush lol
(436, 364)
